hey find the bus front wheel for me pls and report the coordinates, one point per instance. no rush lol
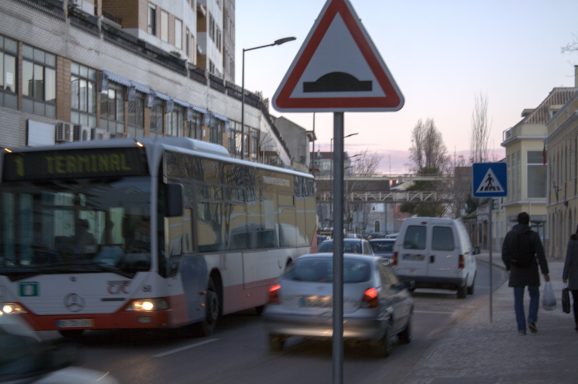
(212, 310)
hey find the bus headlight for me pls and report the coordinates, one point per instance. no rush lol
(148, 305)
(12, 309)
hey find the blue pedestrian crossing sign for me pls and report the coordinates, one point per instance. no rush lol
(489, 179)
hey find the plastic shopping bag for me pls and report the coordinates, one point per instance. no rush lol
(548, 297)
(566, 300)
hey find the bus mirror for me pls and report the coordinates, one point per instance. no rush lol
(174, 200)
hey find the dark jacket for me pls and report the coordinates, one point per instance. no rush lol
(524, 276)
(571, 264)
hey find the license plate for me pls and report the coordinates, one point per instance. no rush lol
(75, 323)
(317, 301)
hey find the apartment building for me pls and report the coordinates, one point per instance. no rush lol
(528, 180)
(82, 69)
(562, 184)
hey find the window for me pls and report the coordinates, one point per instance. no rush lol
(156, 124)
(164, 26)
(254, 147)
(178, 34)
(39, 81)
(415, 236)
(83, 97)
(112, 109)
(216, 130)
(175, 121)
(536, 175)
(8, 52)
(152, 20)
(136, 101)
(235, 138)
(442, 239)
(194, 125)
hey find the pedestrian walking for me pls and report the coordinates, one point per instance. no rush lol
(522, 252)
(570, 273)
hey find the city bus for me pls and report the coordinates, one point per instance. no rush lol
(155, 233)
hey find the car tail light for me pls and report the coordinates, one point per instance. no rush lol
(274, 294)
(394, 258)
(461, 262)
(370, 297)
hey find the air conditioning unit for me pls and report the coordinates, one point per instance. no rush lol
(63, 132)
(99, 134)
(81, 133)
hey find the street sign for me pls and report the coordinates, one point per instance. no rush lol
(489, 179)
(338, 69)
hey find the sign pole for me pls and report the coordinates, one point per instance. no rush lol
(491, 263)
(338, 247)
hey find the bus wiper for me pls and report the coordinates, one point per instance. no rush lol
(16, 274)
(83, 266)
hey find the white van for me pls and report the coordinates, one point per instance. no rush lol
(435, 252)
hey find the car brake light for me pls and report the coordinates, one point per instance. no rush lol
(394, 258)
(461, 262)
(370, 297)
(274, 294)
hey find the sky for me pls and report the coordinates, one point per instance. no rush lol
(442, 55)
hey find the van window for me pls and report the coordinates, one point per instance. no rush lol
(442, 239)
(415, 237)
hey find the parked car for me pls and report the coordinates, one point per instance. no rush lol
(435, 252)
(350, 245)
(377, 306)
(24, 358)
(383, 248)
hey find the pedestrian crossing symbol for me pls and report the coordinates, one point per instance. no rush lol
(489, 179)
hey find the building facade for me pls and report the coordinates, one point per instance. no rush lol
(528, 187)
(82, 69)
(562, 162)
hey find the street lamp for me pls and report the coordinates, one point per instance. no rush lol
(276, 42)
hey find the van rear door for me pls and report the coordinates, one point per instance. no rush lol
(413, 258)
(443, 258)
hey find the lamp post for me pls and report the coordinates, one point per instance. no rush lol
(276, 42)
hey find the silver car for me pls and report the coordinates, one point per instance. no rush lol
(350, 245)
(376, 305)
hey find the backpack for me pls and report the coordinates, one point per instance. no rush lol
(523, 254)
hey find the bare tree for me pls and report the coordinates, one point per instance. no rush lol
(429, 155)
(365, 164)
(571, 47)
(428, 151)
(480, 130)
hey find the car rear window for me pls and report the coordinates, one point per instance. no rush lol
(415, 236)
(321, 271)
(382, 246)
(348, 247)
(442, 239)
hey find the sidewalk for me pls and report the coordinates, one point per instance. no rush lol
(477, 351)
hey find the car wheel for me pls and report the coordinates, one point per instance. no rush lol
(404, 337)
(212, 310)
(384, 346)
(259, 309)
(276, 343)
(462, 290)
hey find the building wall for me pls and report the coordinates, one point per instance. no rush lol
(562, 157)
(53, 33)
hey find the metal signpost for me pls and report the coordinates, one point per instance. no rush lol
(338, 69)
(490, 180)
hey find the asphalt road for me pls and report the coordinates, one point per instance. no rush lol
(238, 352)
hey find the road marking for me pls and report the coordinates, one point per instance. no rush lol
(177, 350)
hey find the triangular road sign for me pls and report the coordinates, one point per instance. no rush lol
(338, 69)
(490, 184)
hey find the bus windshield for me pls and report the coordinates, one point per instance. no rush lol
(75, 226)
